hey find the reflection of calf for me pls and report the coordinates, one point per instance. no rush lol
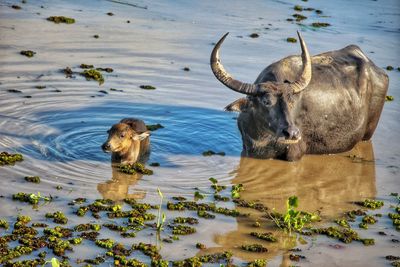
(128, 141)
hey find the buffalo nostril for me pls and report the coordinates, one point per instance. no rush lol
(291, 132)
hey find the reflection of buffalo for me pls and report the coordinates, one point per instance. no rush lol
(307, 105)
(325, 183)
(118, 187)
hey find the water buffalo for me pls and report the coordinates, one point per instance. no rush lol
(307, 105)
(128, 141)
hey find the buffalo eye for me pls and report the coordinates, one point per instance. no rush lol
(122, 135)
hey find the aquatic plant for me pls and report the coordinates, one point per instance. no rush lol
(292, 220)
(9, 159)
(58, 217)
(27, 53)
(200, 246)
(257, 263)
(30, 198)
(370, 203)
(136, 167)
(215, 186)
(182, 229)
(92, 74)
(236, 189)
(32, 179)
(161, 217)
(147, 87)
(254, 248)
(264, 236)
(320, 24)
(189, 220)
(389, 68)
(291, 40)
(299, 17)
(389, 98)
(61, 19)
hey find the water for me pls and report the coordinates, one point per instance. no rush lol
(60, 133)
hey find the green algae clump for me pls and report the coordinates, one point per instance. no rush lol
(135, 168)
(92, 74)
(211, 153)
(58, 217)
(182, 230)
(371, 204)
(61, 19)
(389, 68)
(105, 243)
(298, 8)
(254, 248)
(299, 17)
(147, 87)
(257, 263)
(320, 24)
(27, 53)
(32, 179)
(264, 236)
(9, 159)
(189, 220)
(389, 98)
(291, 40)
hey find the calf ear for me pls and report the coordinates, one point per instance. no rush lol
(141, 136)
(239, 105)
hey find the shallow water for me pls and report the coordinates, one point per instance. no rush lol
(60, 133)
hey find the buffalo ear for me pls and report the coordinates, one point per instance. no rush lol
(141, 136)
(240, 105)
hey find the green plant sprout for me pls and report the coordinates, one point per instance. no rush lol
(161, 217)
(54, 262)
(293, 220)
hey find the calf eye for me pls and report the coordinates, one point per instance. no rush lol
(122, 135)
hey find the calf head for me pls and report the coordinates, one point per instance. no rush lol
(121, 137)
(272, 104)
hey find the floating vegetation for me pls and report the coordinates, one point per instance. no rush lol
(217, 188)
(264, 236)
(182, 230)
(345, 235)
(208, 258)
(14, 91)
(4, 224)
(211, 153)
(368, 241)
(250, 204)
(369, 219)
(198, 195)
(9, 159)
(32, 179)
(186, 69)
(29, 198)
(189, 220)
(96, 36)
(110, 14)
(254, 35)
(16, 7)
(293, 220)
(86, 66)
(218, 197)
(154, 164)
(105, 243)
(236, 189)
(298, 8)
(299, 17)
(254, 248)
(257, 263)
(389, 98)
(61, 19)
(154, 127)
(93, 74)
(205, 214)
(58, 217)
(343, 223)
(320, 24)
(291, 40)
(135, 168)
(370, 203)
(318, 11)
(116, 90)
(68, 72)
(389, 67)
(40, 86)
(147, 87)
(27, 53)
(200, 246)
(109, 70)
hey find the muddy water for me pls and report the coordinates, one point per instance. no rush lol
(60, 128)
